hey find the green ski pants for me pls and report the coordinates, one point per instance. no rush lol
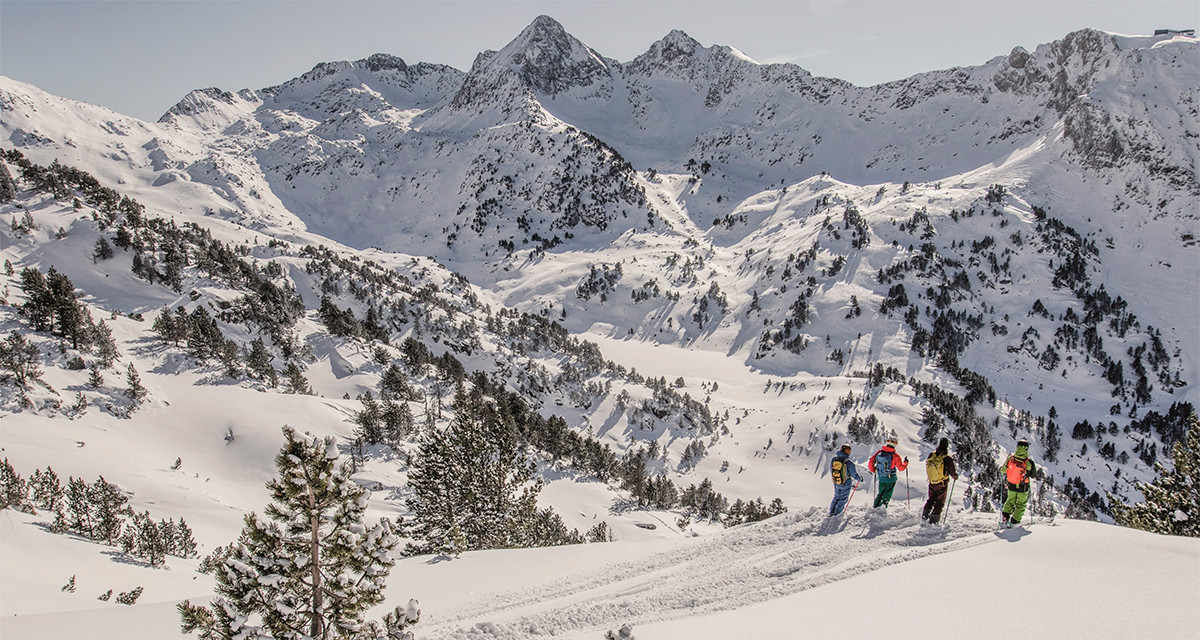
(1015, 504)
(885, 491)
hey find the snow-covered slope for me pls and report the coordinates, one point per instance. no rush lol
(795, 574)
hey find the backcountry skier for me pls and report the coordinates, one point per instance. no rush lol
(843, 471)
(1017, 470)
(885, 463)
(939, 468)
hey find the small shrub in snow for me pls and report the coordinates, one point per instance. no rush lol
(624, 633)
(129, 597)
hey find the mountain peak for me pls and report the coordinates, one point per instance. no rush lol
(550, 59)
(545, 24)
(382, 61)
(678, 40)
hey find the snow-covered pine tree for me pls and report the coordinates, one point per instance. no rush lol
(471, 484)
(1172, 503)
(310, 568)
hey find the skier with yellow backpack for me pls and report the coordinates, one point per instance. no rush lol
(939, 467)
(842, 470)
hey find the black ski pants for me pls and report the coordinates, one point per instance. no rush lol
(937, 499)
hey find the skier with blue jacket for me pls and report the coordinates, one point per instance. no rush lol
(842, 470)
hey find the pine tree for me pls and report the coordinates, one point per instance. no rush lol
(47, 490)
(19, 358)
(133, 382)
(185, 544)
(471, 484)
(13, 488)
(77, 516)
(109, 508)
(1172, 503)
(310, 568)
(169, 535)
(369, 420)
(258, 361)
(170, 327)
(71, 319)
(38, 307)
(397, 421)
(8, 187)
(230, 358)
(294, 380)
(103, 250)
(95, 378)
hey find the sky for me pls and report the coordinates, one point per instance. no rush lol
(140, 58)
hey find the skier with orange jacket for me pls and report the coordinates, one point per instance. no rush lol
(884, 464)
(1017, 470)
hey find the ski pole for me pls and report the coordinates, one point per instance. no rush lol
(949, 498)
(852, 490)
(907, 488)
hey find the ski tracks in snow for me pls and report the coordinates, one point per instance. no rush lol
(729, 570)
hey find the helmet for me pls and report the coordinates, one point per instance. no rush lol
(1023, 443)
(846, 448)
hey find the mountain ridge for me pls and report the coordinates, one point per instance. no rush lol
(1006, 206)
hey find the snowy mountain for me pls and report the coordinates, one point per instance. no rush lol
(671, 262)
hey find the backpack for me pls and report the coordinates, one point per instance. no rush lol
(1016, 471)
(839, 471)
(883, 464)
(935, 468)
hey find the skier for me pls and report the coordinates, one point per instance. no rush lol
(885, 463)
(940, 468)
(1017, 470)
(843, 471)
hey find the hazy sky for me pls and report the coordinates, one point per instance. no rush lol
(139, 58)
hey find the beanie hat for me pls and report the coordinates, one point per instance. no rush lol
(943, 446)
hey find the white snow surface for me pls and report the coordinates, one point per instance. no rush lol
(794, 574)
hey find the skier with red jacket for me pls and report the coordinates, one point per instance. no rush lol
(884, 464)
